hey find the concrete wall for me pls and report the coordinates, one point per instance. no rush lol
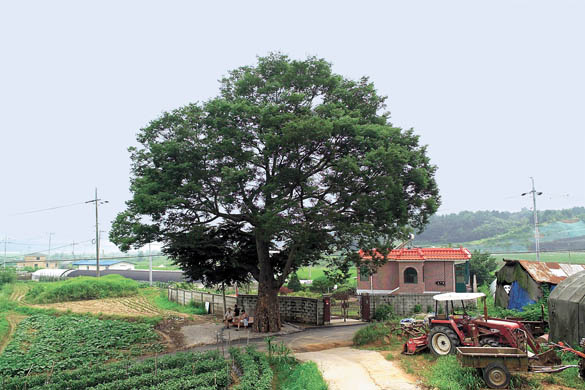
(403, 304)
(292, 309)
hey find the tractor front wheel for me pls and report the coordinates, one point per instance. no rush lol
(442, 341)
(489, 342)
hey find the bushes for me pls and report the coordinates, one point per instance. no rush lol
(7, 276)
(371, 334)
(300, 376)
(384, 313)
(447, 374)
(82, 288)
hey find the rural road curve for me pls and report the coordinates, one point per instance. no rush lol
(351, 369)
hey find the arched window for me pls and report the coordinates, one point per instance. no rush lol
(410, 276)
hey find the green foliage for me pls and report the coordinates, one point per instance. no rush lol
(82, 288)
(7, 276)
(372, 333)
(322, 284)
(207, 370)
(482, 265)
(162, 302)
(68, 342)
(384, 313)
(288, 151)
(306, 294)
(298, 376)
(417, 308)
(294, 283)
(256, 371)
(447, 374)
(4, 326)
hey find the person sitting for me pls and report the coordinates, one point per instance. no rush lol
(243, 319)
(228, 317)
(236, 311)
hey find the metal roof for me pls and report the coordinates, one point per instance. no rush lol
(423, 254)
(552, 273)
(102, 262)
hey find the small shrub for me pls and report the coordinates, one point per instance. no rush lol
(370, 334)
(384, 313)
(285, 290)
(7, 276)
(294, 283)
(429, 309)
(417, 308)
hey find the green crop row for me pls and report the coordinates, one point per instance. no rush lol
(256, 371)
(91, 376)
(43, 342)
(82, 288)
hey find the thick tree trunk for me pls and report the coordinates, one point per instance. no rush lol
(267, 313)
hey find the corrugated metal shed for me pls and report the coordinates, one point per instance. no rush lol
(566, 308)
(552, 273)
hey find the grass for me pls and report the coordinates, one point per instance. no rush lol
(82, 288)
(373, 333)
(160, 300)
(554, 257)
(4, 327)
(298, 376)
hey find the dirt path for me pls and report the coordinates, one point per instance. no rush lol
(350, 369)
(13, 320)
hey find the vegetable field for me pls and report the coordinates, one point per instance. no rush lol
(182, 371)
(255, 369)
(43, 342)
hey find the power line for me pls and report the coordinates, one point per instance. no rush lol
(47, 209)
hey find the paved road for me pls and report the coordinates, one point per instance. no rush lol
(307, 340)
(351, 369)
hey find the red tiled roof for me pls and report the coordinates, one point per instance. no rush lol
(423, 254)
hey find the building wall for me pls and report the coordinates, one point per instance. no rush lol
(385, 279)
(410, 288)
(37, 264)
(439, 271)
(122, 266)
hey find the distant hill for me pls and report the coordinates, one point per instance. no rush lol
(497, 231)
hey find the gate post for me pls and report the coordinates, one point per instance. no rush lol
(326, 310)
(365, 306)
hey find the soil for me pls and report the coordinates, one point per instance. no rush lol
(13, 320)
(136, 306)
(322, 346)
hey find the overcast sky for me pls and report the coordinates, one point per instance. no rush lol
(496, 89)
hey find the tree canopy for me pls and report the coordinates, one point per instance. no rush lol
(302, 159)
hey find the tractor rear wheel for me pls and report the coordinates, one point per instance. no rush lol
(496, 376)
(442, 340)
(489, 342)
(582, 369)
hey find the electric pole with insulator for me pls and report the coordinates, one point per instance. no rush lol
(536, 234)
(97, 231)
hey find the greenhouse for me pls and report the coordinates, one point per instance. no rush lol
(49, 274)
(566, 308)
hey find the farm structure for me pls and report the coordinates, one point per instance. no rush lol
(417, 271)
(91, 265)
(138, 275)
(566, 307)
(36, 261)
(522, 282)
(49, 274)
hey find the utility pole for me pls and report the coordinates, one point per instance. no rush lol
(49, 254)
(97, 231)
(4, 262)
(536, 234)
(73, 249)
(149, 265)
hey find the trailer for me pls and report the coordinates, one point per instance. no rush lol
(497, 363)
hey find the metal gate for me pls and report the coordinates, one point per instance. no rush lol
(344, 306)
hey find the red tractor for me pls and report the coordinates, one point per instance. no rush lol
(457, 328)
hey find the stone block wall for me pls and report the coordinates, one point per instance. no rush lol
(403, 304)
(292, 309)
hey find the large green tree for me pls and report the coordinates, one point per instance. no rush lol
(305, 160)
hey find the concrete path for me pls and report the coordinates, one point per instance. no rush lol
(351, 369)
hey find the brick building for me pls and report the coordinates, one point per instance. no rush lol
(417, 271)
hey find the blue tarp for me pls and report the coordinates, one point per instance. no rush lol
(518, 297)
